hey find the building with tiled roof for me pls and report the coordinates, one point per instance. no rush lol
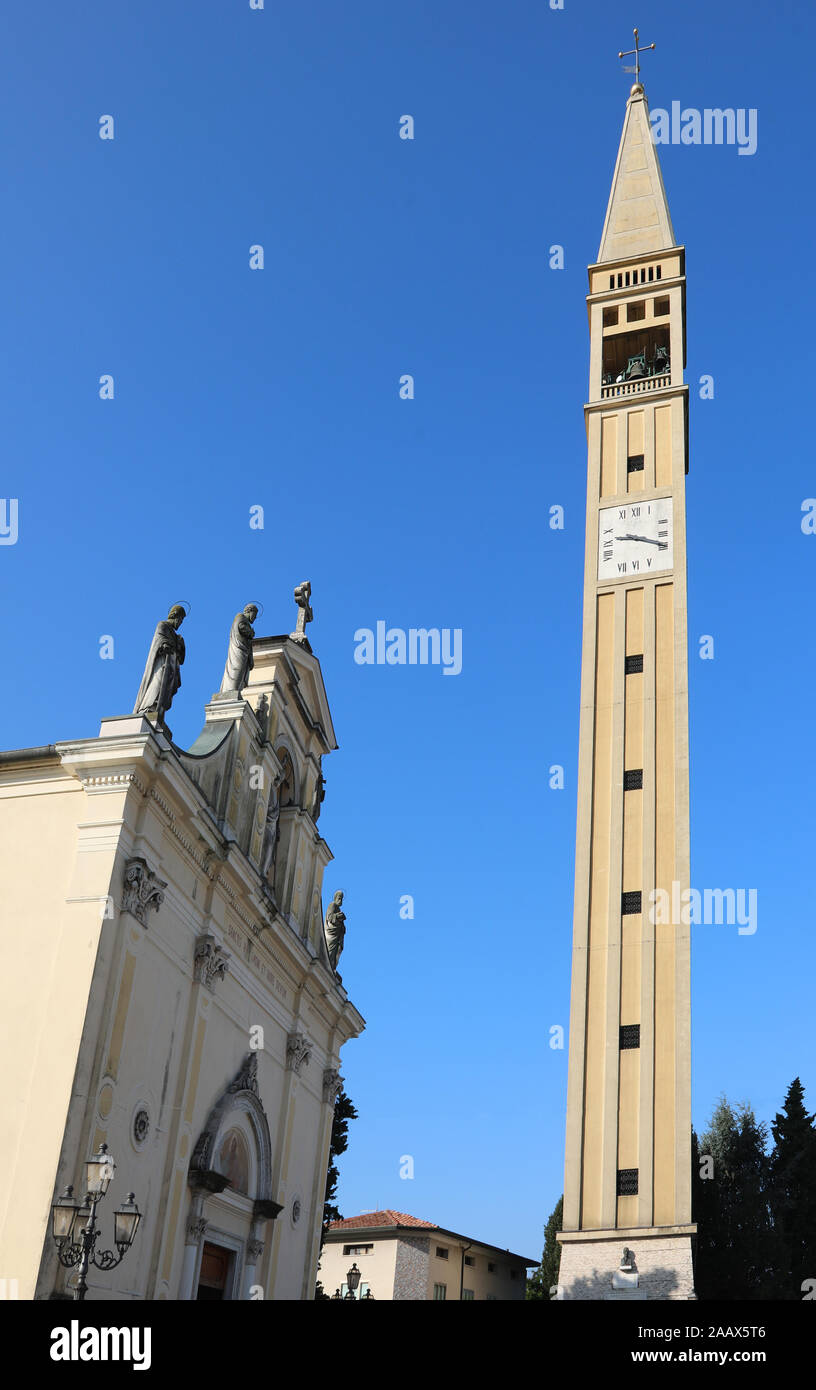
(403, 1257)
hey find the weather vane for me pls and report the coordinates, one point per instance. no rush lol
(637, 50)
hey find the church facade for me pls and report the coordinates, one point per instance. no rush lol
(171, 986)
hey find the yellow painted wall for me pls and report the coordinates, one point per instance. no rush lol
(599, 914)
(663, 449)
(664, 1008)
(49, 950)
(609, 455)
(635, 482)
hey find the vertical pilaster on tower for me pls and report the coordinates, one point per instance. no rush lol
(627, 1187)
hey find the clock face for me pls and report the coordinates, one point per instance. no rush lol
(635, 539)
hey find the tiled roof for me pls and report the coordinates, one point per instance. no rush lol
(380, 1218)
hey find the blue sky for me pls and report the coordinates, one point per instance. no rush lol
(235, 388)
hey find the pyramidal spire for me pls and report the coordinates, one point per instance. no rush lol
(637, 222)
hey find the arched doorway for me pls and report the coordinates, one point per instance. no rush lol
(230, 1177)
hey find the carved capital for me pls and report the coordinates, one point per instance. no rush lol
(332, 1085)
(210, 963)
(298, 1052)
(196, 1230)
(142, 890)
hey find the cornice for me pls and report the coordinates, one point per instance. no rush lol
(622, 262)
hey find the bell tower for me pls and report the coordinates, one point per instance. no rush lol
(627, 1188)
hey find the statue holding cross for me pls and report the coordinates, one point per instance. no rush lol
(303, 593)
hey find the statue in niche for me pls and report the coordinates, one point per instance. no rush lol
(335, 929)
(271, 833)
(287, 777)
(240, 660)
(162, 673)
(262, 712)
(319, 797)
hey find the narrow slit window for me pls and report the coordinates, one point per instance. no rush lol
(633, 780)
(635, 463)
(629, 1036)
(630, 903)
(634, 664)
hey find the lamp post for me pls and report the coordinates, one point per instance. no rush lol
(74, 1228)
(353, 1283)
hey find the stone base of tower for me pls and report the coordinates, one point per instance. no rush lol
(661, 1267)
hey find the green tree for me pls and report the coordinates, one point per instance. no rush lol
(793, 1193)
(343, 1112)
(546, 1276)
(730, 1189)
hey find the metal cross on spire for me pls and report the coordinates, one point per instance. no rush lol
(637, 50)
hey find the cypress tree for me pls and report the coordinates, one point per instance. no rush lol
(546, 1276)
(793, 1193)
(730, 1202)
(343, 1112)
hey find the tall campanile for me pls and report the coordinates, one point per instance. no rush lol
(627, 1188)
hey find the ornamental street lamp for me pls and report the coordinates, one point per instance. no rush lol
(352, 1285)
(74, 1228)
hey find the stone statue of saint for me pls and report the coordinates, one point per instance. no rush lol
(319, 797)
(239, 655)
(303, 593)
(270, 840)
(334, 928)
(162, 673)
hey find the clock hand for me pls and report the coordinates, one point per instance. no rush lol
(647, 540)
